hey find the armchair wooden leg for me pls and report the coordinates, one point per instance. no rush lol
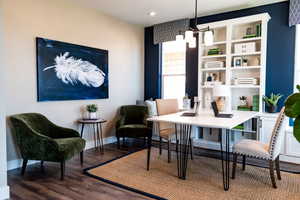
(177, 143)
(234, 165)
(118, 142)
(42, 166)
(81, 158)
(25, 161)
(277, 168)
(169, 151)
(244, 163)
(160, 148)
(192, 148)
(62, 170)
(149, 152)
(271, 163)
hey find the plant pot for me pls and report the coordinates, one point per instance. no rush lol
(271, 109)
(93, 115)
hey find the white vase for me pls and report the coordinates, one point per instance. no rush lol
(93, 115)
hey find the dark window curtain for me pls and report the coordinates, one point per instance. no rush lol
(153, 67)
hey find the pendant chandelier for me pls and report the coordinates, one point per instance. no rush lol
(189, 35)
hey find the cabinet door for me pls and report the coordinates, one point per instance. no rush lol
(292, 145)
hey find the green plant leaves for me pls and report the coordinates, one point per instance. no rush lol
(272, 100)
(292, 106)
(297, 129)
(298, 87)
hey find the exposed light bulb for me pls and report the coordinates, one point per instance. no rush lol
(189, 36)
(208, 38)
(179, 38)
(193, 43)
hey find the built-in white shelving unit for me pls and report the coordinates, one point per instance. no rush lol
(228, 34)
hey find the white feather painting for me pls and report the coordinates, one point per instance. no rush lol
(74, 71)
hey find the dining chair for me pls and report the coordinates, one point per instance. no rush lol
(259, 150)
(167, 130)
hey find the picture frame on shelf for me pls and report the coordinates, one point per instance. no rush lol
(237, 61)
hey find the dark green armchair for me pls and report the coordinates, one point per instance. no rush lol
(132, 123)
(40, 139)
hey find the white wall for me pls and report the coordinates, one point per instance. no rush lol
(4, 191)
(66, 21)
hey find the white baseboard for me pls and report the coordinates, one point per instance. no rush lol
(108, 140)
(290, 159)
(14, 164)
(4, 192)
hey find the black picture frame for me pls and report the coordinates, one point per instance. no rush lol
(68, 71)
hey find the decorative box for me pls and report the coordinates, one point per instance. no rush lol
(245, 81)
(248, 47)
(214, 64)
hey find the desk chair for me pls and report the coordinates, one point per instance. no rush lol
(167, 130)
(269, 152)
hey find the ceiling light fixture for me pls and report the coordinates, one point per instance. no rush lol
(152, 13)
(189, 34)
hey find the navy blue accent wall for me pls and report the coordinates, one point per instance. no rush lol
(152, 66)
(280, 49)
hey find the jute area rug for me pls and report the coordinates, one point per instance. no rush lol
(204, 179)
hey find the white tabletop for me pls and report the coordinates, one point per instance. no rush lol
(207, 119)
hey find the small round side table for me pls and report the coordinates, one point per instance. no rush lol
(97, 128)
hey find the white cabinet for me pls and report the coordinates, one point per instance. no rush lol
(290, 150)
(292, 146)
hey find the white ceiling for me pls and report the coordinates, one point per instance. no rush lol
(136, 11)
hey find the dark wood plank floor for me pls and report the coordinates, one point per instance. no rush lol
(76, 186)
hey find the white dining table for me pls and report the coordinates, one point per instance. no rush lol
(204, 119)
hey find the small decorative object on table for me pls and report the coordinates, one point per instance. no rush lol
(92, 109)
(271, 102)
(186, 102)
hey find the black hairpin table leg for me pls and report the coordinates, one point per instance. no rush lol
(184, 134)
(225, 166)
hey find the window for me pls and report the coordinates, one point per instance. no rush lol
(173, 70)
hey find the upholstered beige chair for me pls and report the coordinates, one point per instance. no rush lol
(269, 152)
(167, 130)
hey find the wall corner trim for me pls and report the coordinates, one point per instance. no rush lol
(4, 192)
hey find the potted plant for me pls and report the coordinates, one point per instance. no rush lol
(92, 109)
(292, 109)
(271, 102)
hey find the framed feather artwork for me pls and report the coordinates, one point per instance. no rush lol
(70, 72)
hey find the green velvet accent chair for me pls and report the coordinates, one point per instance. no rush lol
(132, 123)
(40, 139)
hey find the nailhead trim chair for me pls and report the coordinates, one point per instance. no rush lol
(40, 139)
(269, 152)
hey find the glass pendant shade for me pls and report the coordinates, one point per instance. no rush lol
(193, 43)
(189, 36)
(208, 38)
(179, 38)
